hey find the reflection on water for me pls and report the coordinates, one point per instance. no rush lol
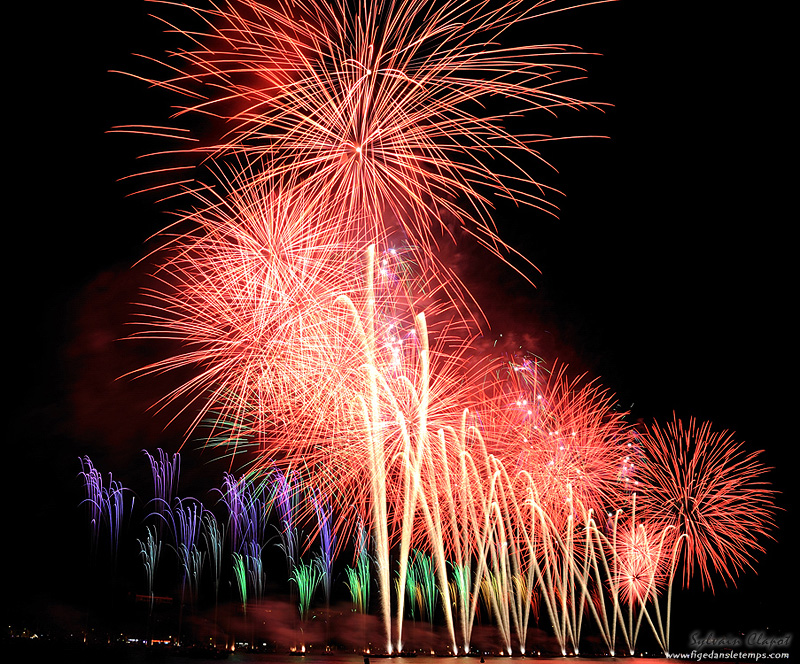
(19, 653)
(245, 658)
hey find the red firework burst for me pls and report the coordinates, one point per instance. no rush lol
(709, 489)
(269, 298)
(643, 558)
(246, 291)
(566, 434)
(372, 106)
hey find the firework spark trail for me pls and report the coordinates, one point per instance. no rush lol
(93, 486)
(248, 504)
(286, 490)
(358, 576)
(254, 568)
(114, 501)
(184, 522)
(231, 496)
(187, 520)
(214, 536)
(519, 417)
(412, 590)
(707, 487)
(307, 577)
(256, 506)
(642, 563)
(327, 537)
(636, 566)
(549, 554)
(106, 505)
(646, 565)
(568, 434)
(570, 562)
(240, 577)
(427, 592)
(150, 553)
(166, 474)
(243, 288)
(402, 411)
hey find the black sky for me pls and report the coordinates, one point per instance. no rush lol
(669, 274)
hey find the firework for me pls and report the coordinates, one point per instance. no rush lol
(106, 505)
(166, 474)
(188, 519)
(150, 553)
(93, 486)
(306, 577)
(643, 562)
(710, 490)
(372, 109)
(358, 577)
(426, 591)
(240, 577)
(566, 434)
(214, 536)
(327, 541)
(351, 128)
(254, 568)
(245, 290)
(248, 508)
(286, 491)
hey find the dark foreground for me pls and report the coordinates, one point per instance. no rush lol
(19, 651)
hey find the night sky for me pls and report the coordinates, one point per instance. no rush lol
(668, 275)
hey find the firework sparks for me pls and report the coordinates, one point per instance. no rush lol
(706, 486)
(351, 126)
(371, 112)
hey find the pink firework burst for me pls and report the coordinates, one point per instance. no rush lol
(245, 290)
(565, 434)
(643, 559)
(375, 107)
(710, 490)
